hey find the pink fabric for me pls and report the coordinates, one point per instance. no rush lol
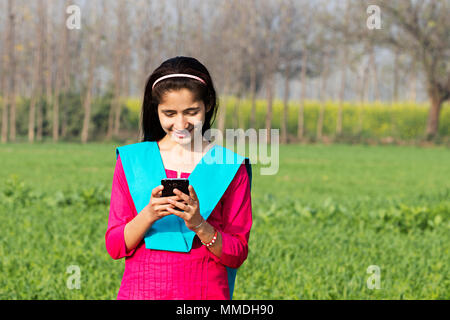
(198, 274)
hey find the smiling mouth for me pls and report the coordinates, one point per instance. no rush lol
(179, 134)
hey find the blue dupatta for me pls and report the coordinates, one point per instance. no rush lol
(144, 169)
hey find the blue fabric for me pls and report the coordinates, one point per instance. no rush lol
(144, 170)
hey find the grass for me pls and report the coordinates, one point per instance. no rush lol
(329, 213)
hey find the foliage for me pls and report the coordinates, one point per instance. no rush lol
(401, 120)
(71, 105)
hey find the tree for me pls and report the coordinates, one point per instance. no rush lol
(121, 62)
(310, 35)
(10, 66)
(325, 52)
(290, 53)
(4, 85)
(60, 73)
(44, 66)
(323, 94)
(48, 70)
(2, 72)
(274, 28)
(93, 42)
(225, 55)
(37, 72)
(420, 29)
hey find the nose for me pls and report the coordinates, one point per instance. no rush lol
(180, 123)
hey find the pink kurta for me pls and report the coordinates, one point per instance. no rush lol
(198, 274)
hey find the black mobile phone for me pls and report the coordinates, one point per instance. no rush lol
(171, 183)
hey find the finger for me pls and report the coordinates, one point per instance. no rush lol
(192, 193)
(181, 194)
(180, 205)
(163, 207)
(164, 200)
(193, 196)
(156, 192)
(164, 213)
(174, 198)
(180, 214)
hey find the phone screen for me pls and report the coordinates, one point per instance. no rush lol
(172, 183)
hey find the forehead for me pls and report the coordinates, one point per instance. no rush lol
(178, 99)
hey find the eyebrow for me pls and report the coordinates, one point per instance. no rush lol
(188, 109)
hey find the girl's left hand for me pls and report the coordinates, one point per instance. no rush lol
(190, 206)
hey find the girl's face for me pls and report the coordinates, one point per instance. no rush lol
(179, 115)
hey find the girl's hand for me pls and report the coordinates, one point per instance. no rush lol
(190, 206)
(159, 205)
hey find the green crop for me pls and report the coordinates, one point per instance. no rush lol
(318, 224)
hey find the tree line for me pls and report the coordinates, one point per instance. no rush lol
(253, 48)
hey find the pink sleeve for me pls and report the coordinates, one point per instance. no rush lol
(121, 211)
(237, 215)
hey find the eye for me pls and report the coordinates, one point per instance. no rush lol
(190, 113)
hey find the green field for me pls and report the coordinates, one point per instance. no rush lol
(327, 215)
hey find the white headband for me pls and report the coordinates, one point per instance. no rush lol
(178, 75)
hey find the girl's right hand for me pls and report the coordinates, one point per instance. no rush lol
(157, 207)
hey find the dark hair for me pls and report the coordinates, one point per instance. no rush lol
(151, 129)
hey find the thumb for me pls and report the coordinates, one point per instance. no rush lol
(156, 192)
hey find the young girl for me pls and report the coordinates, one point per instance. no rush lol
(192, 252)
